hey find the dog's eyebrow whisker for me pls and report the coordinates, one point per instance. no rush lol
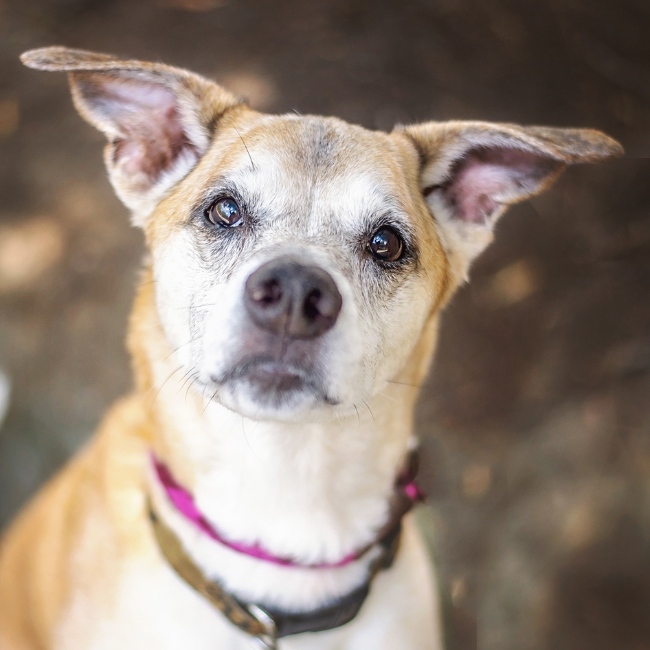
(245, 147)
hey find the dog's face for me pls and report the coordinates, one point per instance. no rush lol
(302, 264)
(297, 259)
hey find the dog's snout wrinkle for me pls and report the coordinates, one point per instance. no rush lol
(292, 300)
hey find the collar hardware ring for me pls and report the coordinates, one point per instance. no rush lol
(267, 641)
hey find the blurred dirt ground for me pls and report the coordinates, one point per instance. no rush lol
(536, 418)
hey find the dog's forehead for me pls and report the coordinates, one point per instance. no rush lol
(321, 145)
(318, 162)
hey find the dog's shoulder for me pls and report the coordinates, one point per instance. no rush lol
(87, 515)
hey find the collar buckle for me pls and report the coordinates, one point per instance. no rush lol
(268, 640)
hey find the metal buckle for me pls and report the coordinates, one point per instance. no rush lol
(269, 640)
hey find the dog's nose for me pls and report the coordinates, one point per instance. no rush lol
(292, 299)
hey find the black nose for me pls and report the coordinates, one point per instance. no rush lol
(291, 299)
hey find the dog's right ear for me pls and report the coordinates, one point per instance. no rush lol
(470, 172)
(159, 120)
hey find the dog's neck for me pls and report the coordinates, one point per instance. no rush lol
(312, 491)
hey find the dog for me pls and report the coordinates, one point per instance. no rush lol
(254, 490)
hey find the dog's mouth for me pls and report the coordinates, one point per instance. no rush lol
(271, 383)
(270, 375)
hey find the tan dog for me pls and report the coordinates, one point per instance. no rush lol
(297, 267)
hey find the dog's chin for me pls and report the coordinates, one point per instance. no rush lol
(269, 391)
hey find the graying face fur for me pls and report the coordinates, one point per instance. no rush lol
(317, 202)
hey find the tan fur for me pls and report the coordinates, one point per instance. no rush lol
(75, 540)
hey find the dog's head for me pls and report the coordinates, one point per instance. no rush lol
(297, 259)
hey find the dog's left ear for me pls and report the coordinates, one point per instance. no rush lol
(472, 171)
(158, 119)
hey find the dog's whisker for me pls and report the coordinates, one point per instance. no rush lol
(210, 304)
(189, 384)
(370, 411)
(245, 147)
(151, 327)
(209, 401)
(198, 338)
(183, 379)
(243, 430)
(187, 381)
(403, 383)
(153, 401)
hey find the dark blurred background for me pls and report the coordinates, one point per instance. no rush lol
(536, 418)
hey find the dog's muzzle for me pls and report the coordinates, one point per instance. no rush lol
(292, 300)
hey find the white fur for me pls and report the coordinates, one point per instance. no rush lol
(154, 608)
(263, 481)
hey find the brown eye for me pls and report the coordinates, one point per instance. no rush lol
(225, 212)
(386, 245)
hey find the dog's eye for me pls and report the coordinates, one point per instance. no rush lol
(225, 212)
(386, 245)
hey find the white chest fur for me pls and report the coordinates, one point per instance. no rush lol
(153, 608)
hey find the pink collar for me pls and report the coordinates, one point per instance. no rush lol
(184, 502)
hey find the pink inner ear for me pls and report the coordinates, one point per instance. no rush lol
(146, 115)
(472, 193)
(487, 177)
